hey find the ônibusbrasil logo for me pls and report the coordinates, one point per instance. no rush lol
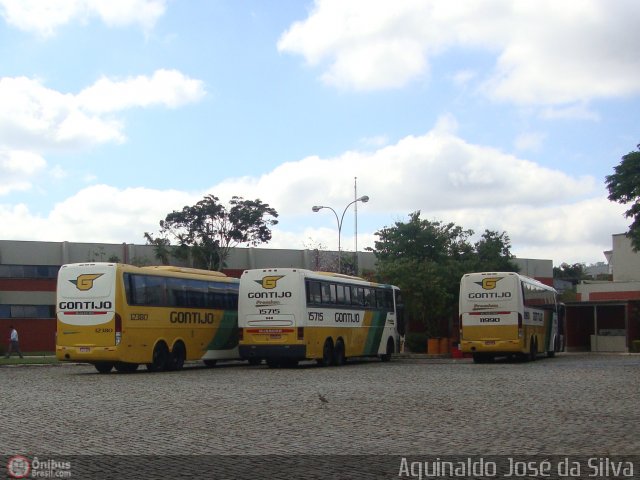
(18, 467)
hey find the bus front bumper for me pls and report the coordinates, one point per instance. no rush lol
(491, 346)
(293, 352)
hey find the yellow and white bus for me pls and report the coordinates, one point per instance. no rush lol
(116, 315)
(286, 315)
(507, 314)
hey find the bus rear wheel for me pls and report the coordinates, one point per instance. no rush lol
(178, 356)
(339, 354)
(160, 358)
(103, 367)
(533, 350)
(327, 354)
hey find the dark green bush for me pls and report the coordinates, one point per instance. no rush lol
(416, 342)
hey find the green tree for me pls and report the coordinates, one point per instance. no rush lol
(624, 188)
(426, 259)
(571, 273)
(493, 253)
(209, 230)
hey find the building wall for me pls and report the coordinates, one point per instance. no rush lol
(625, 262)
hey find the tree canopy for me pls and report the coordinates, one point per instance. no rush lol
(209, 230)
(624, 188)
(426, 259)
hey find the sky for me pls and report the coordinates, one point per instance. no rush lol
(491, 114)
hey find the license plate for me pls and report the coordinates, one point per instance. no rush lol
(275, 337)
(490, 342)
(85, 349)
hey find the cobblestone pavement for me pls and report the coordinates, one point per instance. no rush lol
(574, 404)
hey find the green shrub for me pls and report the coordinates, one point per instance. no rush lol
(416, 342)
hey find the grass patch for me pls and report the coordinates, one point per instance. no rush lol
(31, 358)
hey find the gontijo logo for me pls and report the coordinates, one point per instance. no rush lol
(269, 282)
(85, 281)
(489, 283)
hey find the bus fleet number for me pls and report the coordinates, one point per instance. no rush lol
(315, 317)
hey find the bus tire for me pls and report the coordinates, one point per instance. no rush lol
(327, 353)
(339, 353)
(160, 359)
(124, 367)
(390, 351)
(103, 367)
(533, 350)
(210, 363)
(178, 356)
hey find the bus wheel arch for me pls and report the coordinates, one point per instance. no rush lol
(339, 353)
(178, 355)
(390, 350)
(327, 353)
(160, 357)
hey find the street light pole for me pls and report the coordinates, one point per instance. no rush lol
(317, 208)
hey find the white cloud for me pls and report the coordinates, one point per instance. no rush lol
(529, 141)
(169, 88)
(44, 17)
(39, 118)
(547, 52)
(547, 213)
(17, 169)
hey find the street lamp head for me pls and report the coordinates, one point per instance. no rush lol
(316, 208)
(363, 199)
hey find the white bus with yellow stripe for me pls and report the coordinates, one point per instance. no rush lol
(116, 315)
(508, 314)
(286, 315)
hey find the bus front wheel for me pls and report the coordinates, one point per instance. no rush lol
(390, 349)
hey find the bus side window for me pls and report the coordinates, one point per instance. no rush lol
(313, 293)
(341, 295)
(328, 291)
(357, 296)
(369, 298)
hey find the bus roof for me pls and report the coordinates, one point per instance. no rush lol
(523, 278)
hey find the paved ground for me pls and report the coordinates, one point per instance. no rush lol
(574, 404)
